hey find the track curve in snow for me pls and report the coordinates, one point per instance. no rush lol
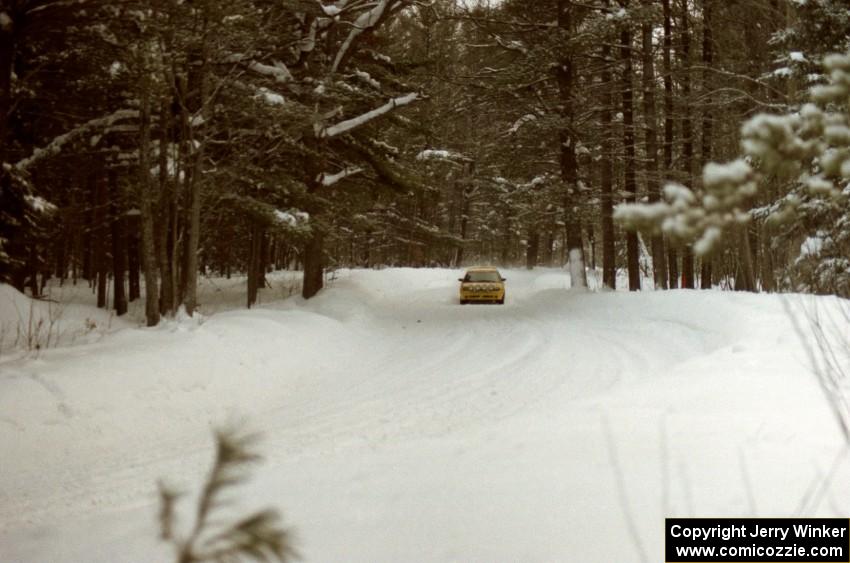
(400, 425)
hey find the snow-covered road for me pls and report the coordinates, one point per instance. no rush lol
(400, 426)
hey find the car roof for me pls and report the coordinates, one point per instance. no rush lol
(482, 269)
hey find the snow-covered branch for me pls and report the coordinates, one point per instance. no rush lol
(527, 118)
(391, 173)
(364, 21)
(291, 218)
(810, 148)
(367, 78)
(701, 218)
(39, 204)
(511, 45)
(349, 124)
(277, 70)
(56, 144)
(442, 154)
(270, 97)
(331, 179)
(333, 9)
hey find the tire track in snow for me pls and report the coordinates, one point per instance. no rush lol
(396, 392)
(460, 367)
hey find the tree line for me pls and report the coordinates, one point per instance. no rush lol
(148, 142)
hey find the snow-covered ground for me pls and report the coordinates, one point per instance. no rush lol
(400, 426)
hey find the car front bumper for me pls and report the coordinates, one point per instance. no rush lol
(482, 296)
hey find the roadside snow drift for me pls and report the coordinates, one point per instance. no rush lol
(400, 426)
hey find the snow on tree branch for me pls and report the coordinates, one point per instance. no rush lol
(331, 179)
(349, 124)
(39, 204)
(527, 118)
(391, 173)
(367, 78)
(686, 217)
(384, 147)
(511, 45)
(810, 148)
(364, 21)
(270, 97)
(277, 70)
(57, 143)
(334, 9)
(442, 154)
(291, 218)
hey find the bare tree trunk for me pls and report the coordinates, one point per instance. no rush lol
(532, 248)
(190, 299)
(60, 249)
(687, 135)
(569, 163)
(196, 103)
(8, 46)
(672, 258)
(262, 265)
(548, 242)
(75, 231)
(100, 234)
(313, 254)
(119, 245)
(659, 260)
(767, 280)
(707, 61)
(88, 268)
(133, 265)
(464, 226)
(504, 251)
(9, 197)
(148, 251)
(165, 224)
(314, 265)
(705, 274)
(254, 265)
(32, 271)
(63, 244)
(609, 266)
(746, 280)
(465, 202)
(630, 186)
(591, 243)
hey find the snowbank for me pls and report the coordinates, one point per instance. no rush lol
(400, 426)
(31, 325)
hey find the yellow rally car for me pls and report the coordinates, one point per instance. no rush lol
(480, 285)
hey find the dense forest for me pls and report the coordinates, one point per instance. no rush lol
(146, 143)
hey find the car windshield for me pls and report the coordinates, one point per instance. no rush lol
(486, 276)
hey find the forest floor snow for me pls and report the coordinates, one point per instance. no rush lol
(400, 426)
